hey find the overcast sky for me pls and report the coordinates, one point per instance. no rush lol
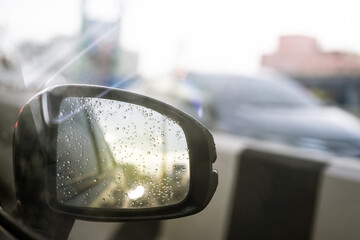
(203, 35)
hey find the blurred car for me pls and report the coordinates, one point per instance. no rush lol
(267, 107)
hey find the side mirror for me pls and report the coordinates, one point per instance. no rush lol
(104, 154)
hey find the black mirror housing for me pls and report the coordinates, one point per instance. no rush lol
(35, 157)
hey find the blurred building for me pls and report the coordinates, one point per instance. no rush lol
(302, 56)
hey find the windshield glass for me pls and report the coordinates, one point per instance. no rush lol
(247, 70)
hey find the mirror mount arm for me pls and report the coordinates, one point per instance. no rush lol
(63, 228)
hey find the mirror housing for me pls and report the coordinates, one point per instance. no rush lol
(36, 157)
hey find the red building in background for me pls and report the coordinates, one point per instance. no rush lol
(302, 56)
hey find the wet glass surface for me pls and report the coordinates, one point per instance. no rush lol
(114, 154)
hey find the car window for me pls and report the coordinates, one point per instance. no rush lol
(277, 71)
(254, 91)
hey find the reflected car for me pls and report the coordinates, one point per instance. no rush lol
(268, 107)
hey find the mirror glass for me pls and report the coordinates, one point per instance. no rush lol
(117, 155)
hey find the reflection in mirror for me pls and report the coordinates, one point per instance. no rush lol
(117, 155)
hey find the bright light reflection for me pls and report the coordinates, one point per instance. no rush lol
(109, 137)
(136, 193)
